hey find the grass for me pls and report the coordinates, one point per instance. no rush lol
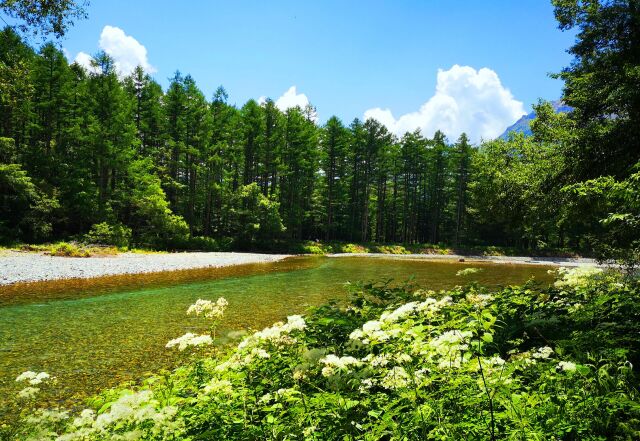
(75, 249)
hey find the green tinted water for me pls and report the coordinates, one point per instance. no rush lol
(96, 334)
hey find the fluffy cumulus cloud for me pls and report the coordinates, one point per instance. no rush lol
(465, 100)
(126, 51)
(291, 98)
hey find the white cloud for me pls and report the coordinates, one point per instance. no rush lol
(465, 100)
(291, 98)
(126, 51)
(84, 60)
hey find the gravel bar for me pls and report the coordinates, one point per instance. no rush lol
(18, 267)
(514, 260)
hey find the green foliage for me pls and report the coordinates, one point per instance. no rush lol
(153, 222)
(255, 217)
(523, 362)
(65, 249)
(108, 234)
(618, 204)
(602, 84)
(513, 202)
(24, 209)
(38, 17)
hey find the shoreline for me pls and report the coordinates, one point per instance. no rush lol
(28, 267)
(19, 267)
(459, 258)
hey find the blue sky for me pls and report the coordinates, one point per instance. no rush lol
(347, 57)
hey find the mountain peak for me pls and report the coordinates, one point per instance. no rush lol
(523, 124)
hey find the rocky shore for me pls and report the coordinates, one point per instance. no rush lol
(16, 267)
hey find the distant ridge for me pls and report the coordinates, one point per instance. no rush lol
(522, 125)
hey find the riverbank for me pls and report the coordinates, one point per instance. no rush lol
(513, 260)
(17, 267)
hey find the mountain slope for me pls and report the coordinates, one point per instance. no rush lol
(522, 125)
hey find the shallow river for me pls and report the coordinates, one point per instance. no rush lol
(92, 334)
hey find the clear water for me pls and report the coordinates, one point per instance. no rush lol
(93, 334)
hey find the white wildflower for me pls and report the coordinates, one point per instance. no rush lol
(403, 358)
(567, 366)
(299, 375)
(223, 387)
(85, 419)
(308, 431)
(578, 277)
(295, 323)
(285, 393)
(371, 326)
(379, 360)
(479, 299)
(334, 364)
(47, 417)
(277, 334)
(496, 360)
(33, 378)
(542, 353)
(399, 313)
(431, 306)
(189, 339)
(451, 341)
(255, 354)
(395, 378)
(372, 330)
(208, 309)
(28, 392)
(366, 385)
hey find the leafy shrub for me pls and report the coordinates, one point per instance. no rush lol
(389, 249)
(352, 248)
(65, 249)
(109, 234)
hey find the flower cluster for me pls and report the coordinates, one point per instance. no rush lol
(188, 340)
(567, 366)
(578, 277)
(385, 328)
(278, 334)
(334, 364)
(208, 309)
(252, 348)
(33, 379)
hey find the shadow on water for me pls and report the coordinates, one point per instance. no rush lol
(98, 333)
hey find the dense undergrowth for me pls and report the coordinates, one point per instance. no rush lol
(519, 363)
(84, 248)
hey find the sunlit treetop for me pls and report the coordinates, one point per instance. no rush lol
(44, 17)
